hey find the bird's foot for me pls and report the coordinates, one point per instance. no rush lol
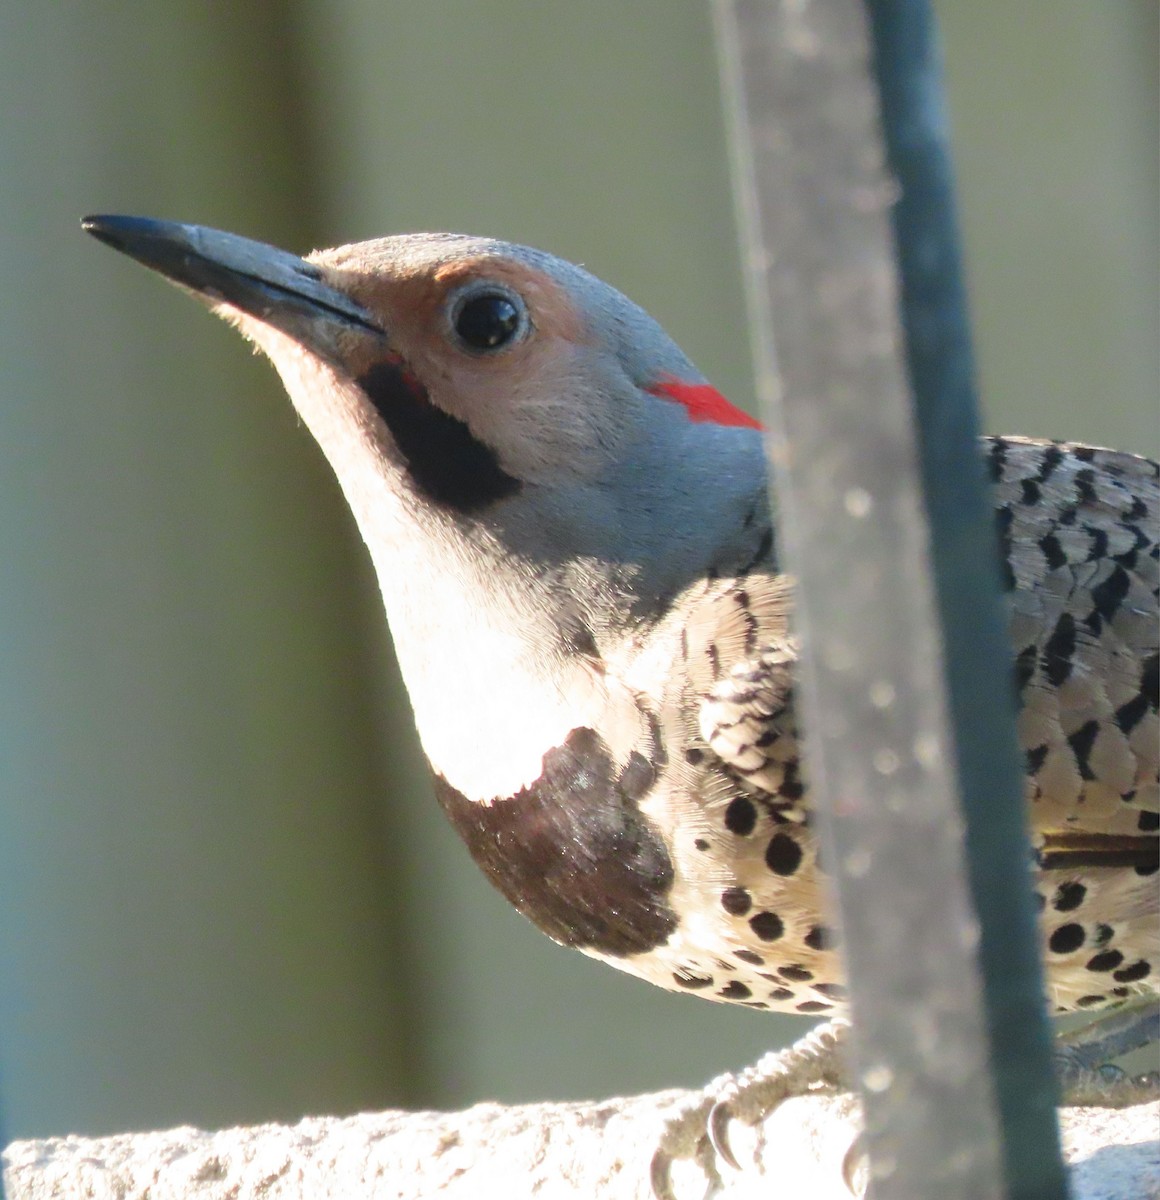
(1083, 1059)
(700, 1129)
(684, 1138)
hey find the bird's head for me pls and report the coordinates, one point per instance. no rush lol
(462, 379)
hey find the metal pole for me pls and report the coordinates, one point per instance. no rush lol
(864, 372)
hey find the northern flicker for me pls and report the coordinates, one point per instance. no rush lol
(573, 539)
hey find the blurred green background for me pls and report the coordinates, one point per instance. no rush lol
(225, 892)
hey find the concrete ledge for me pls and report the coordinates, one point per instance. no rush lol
(588, 1151)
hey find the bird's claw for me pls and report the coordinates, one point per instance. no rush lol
(854, 1165)
(720, 1115)
(700, 1129)
(683, 1138)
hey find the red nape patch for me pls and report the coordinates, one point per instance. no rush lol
(702, 402)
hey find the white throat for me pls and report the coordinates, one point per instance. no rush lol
(490, 685)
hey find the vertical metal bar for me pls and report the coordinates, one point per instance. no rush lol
(976, 647)
(852, 268)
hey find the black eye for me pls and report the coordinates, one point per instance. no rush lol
(487, 320)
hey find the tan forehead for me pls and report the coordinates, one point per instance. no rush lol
(413, 298)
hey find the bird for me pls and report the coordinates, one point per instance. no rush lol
(572, 533)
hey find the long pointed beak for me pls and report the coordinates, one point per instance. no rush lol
(272, 285)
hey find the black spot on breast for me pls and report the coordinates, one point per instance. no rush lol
(740, 816)
(797, 973)
(444, 458)
(736, 901)
(820, 938)
(1108, 960)
(783, 855)
(1068, 896)
(1138, 970)
(1066, 939)
(767, 925)
(573, 852)
(735, 990)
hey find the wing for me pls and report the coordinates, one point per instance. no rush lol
(739, 698)
(1079, 530)
(1078, 534)
(1078, 527)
